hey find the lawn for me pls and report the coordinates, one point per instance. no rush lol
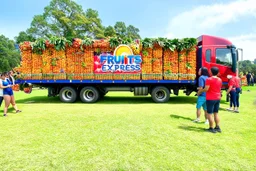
(123, 132)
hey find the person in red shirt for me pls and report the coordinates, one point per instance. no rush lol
(232, 91)
(212, 88)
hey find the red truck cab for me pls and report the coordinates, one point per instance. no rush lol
(217, 52)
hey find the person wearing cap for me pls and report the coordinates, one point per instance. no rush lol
(232, 91)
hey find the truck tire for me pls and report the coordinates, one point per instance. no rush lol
(68, 95)
(89, 95)
(160, 94)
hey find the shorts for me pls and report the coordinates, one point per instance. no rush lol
(201, 102)
(212, 106)
(10, 93)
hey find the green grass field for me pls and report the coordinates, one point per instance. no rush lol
(123, 132)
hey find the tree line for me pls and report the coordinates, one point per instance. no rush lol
(62, 18)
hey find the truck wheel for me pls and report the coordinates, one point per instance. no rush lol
(160, 94)
(89, 95)
(68, 95)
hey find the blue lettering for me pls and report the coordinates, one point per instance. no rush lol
(128, 67)
(110, 60)
(116, 67)
(133, 67)
(137, 67)
(122, 67)
(138, 59)
(130, 57)
(117, 59)
(110, 67)
(104, 68)
(102, 59)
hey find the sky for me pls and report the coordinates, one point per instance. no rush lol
(230, 19)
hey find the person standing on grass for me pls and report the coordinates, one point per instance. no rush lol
(8, 94)
(232, 91)
(1, 90)
(212, 88)
(252, 79)
(201, 100)
(248, 77)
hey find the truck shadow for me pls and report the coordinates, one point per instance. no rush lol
(115, 100)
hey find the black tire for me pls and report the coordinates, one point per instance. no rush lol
(160, 94)
(89, 95)
(68, 95)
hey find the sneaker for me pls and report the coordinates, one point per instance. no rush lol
(206, 122)
(217, 129)
(18, 111)
(5, 115)
(211, 130)
(236, 111)
(229, 109)
(196, 120)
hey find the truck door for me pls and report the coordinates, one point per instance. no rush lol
(222, 58)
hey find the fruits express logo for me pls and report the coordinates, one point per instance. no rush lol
(122, 61)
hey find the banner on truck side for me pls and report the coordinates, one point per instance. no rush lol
(122, 61)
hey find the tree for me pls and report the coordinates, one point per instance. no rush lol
(95, 28)
(121, 29)
(133, 32)
(9, 56)
(66, 18)
(109, 32)
(254, 61)
(245, 66)
(24, 36)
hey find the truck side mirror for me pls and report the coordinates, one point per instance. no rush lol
(234, 59)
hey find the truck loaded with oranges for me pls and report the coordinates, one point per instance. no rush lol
(89, 69)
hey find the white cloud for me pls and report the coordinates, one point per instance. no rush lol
(247, 43)
(210, 19)
(207, 18)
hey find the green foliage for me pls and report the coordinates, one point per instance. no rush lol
(126, 32)
(65, 18)
(38, 46)
(24, 36)
(247, 66)
(133, 32)
(109, 32)
(9, 56)
(120, 28)
(59, 42)
(147, 43)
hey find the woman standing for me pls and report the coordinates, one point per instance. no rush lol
(8, 94)
(232, 91)
(1, 91)
(201, 100)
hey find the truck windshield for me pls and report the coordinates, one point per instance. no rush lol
(224, 57)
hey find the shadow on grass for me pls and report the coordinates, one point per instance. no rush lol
(112, 100)
(180, 117)
(192, 128)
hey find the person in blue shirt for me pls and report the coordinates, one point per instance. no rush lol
(201, 100)
(8, 94)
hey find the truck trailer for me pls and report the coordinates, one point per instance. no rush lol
(88, 70)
